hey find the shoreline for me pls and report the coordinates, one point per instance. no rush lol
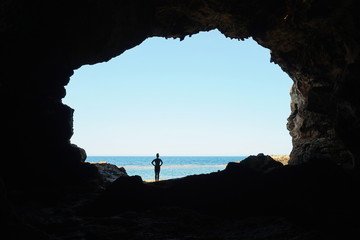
(283, 158)
(111, 172)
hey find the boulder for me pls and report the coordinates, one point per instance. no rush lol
(260, 162)
(110, 172)
(81, 152)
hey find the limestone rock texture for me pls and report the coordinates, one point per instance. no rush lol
(42, 42)
(284, 159)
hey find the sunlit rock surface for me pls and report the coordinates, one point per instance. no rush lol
(284, 159)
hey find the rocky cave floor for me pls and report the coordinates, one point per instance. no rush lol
(165, 223)
(238, 203)
(67, 220)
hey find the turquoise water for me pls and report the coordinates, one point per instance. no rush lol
(173, 167)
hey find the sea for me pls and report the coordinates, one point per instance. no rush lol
(173, 166)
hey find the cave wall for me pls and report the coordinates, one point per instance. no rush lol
(42, 42)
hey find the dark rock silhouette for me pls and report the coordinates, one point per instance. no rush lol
(50, 187)
(243, 186)
(304, 42)
(313, 200)
(260, 162)
(110, 172)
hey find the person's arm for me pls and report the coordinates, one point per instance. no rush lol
(161, 162)
(153, 162)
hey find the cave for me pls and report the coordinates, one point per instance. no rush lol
(144, 100)
(315, 42)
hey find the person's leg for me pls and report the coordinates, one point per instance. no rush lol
(157, 172)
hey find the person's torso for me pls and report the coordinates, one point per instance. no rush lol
(157, 161)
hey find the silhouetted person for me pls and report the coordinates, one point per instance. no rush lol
(157, 162)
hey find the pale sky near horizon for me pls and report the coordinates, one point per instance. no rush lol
(207, 95)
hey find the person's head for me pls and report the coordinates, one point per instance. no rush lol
(157, 155)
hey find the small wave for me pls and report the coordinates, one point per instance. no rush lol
(174, 166)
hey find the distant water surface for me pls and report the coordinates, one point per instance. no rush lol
(174, 166)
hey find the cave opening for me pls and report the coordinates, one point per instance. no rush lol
(205, 96)
(45, 186)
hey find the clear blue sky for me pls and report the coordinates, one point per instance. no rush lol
(206, 95)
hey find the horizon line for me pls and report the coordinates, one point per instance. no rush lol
(182, 155)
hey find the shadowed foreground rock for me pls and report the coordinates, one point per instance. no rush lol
(317, 200)
(315, 42)
(259, 162)
(50, 192)
(110, 172)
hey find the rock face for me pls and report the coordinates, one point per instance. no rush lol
(284, 159)
(313, 192)
(110, 172)
(261, 162)
(315, 42)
